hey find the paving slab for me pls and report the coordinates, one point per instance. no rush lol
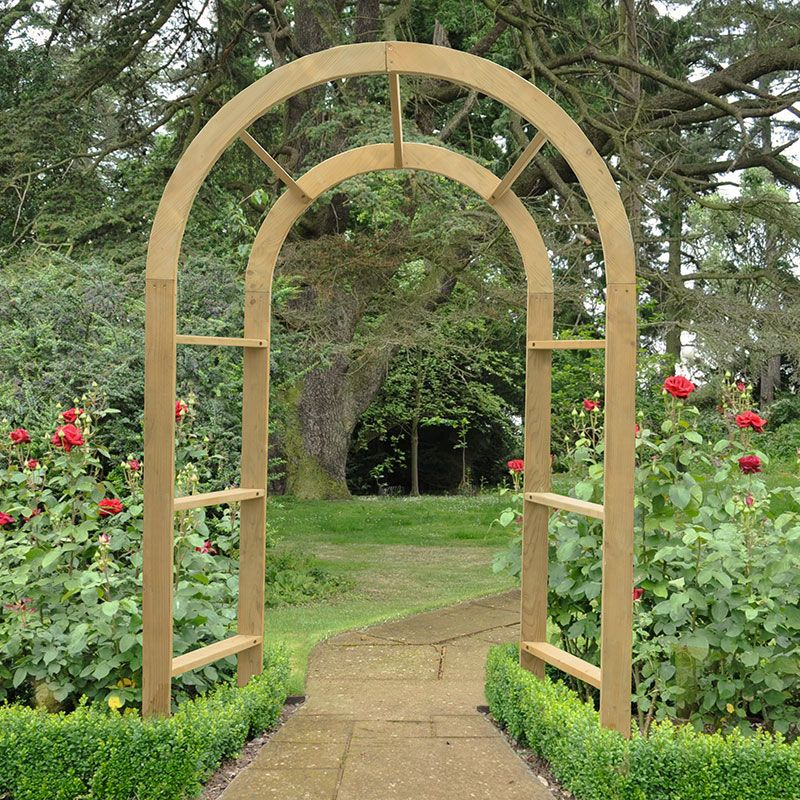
(297, 755)
(437, 769)
(441, 626)
(284, 784)
(391, 714)
(510, 601)
(376, 662)
(506, 633)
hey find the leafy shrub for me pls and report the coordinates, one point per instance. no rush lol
(671, 763)
(92, 754)
(785, 410)
(784, 442)
(716, 618)
(70, 585)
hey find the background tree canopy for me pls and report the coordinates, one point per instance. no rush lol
(399, 307)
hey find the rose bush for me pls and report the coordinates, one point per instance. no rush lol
(70, 582)
(717, 572)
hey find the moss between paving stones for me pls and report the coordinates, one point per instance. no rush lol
(672, 763)
(92, 754)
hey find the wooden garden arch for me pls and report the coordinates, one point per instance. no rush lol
(613, 676)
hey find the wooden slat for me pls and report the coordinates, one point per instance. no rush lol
(397, 117)
(253, 516)
(535, 518)
(616, 638)
(276, 168)
(220, 341)
(566, 503)
(213, 652)
(564, 661)
(159, 481)
(215, 498)
(567, 344)
(534, 146)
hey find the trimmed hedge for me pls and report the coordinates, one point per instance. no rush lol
(92, 754)
(672, 763)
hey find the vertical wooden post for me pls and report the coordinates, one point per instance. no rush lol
(159, 481)
(537, 478)
(620, 439)
(252, 540)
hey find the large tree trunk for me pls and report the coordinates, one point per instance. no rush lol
(321, 412)
(770, 380)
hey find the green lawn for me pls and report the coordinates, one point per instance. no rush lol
(403, 556)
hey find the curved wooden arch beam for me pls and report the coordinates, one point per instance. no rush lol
(379, 157)
(396, 57)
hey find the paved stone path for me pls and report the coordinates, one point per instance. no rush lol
(391, 714)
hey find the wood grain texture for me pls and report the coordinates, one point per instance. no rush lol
(272, 163)
(396, 107)
(207, 499)
(252, 540)
(564, 661)
(159, 476)
(535, 518)
(214, 652)
(220, 341)
(518, 167)
(377, 157)
(620, 437)
(568, 344)
(564, 503)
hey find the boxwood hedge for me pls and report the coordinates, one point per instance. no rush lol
(94, 754)
(671, 763)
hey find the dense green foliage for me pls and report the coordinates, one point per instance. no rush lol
(71, 532)
(398, 321)
(717, 569)
(669, 763)
(92, 754)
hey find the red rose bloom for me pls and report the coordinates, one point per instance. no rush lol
(516, 465)
(207, 548)
(71, 414)
(740, 386)
(5, 519)
(749, 419)
(638, 593)
(750, 464)
(67, 436)
(134, 465)
(591, 405)
(31, 463)
(109, 506)
(19, 436)
(678, 386)
(181, 410)
(749, 501)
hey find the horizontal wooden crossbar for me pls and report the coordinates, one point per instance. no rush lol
(567, 344)
(566, 504)
(220, 341)
(216, 498)
(213, 652)
(564, 661)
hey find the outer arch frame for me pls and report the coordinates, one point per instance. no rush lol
(160, 344)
